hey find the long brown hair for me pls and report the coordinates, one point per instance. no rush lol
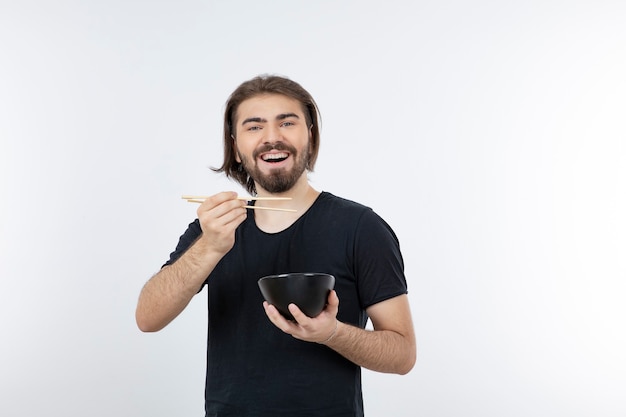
(265, 84)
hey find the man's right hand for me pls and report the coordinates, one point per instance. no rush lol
(219, 216)
(169, 291)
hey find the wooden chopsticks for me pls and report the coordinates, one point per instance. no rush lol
(201, 198)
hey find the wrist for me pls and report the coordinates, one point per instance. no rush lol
(332, 334)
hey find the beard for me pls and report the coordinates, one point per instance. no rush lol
(278, 180)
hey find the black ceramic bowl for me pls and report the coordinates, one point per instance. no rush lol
(308, 290)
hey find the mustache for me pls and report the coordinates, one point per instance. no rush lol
(278, 146)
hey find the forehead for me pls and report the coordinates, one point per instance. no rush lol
(268, 106)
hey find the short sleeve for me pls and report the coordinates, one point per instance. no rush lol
(379, 262)
(185, 241)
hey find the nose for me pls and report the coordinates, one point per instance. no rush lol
(273, 134)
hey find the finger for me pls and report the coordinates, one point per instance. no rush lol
(234, 216)
(298, 315)
(227, 212)
(223, 227)
(333, 303)
(276, 318)
(220, 197)
(333, 298)
(220, 204)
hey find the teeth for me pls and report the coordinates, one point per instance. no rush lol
(268, 157)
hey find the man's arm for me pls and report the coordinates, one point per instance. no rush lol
(169, 291)
(389, 348)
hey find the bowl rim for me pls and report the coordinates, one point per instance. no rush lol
(296, 274)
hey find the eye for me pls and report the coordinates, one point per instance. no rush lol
(287, 123)
(254, 128)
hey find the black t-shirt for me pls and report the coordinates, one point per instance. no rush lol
(253, 368)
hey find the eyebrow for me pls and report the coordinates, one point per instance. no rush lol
(281, 116)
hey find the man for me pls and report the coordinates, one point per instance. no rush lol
(258, 362)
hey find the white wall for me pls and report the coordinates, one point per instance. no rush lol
(490, 135)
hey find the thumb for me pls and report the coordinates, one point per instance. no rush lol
(333, 299)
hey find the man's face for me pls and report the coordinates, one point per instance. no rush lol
(272, 141)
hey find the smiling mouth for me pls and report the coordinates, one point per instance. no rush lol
(274, 157)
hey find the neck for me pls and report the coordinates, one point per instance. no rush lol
(302, 195)
(301, 191)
